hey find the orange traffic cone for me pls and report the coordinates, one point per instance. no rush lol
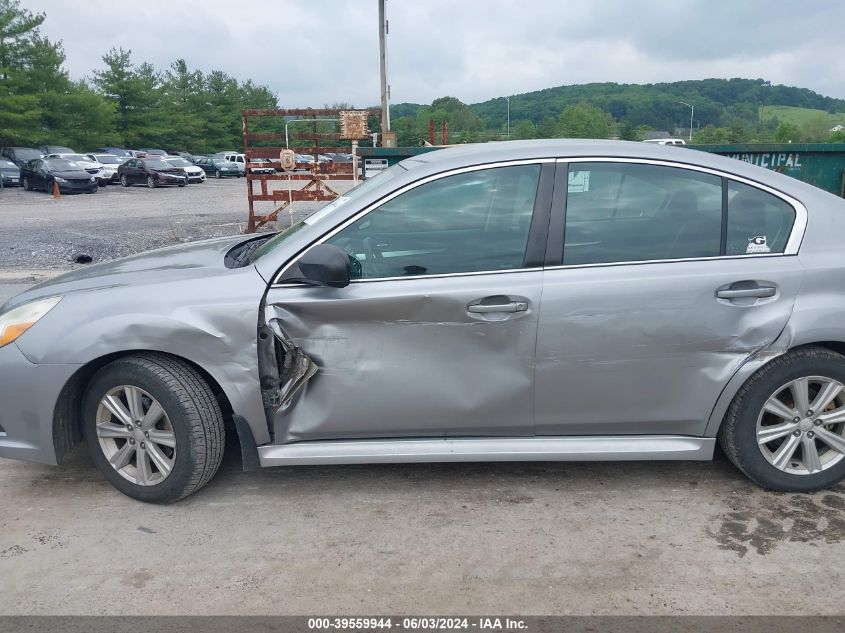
(56, 192)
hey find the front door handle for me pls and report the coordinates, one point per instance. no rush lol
(760, 292)
(483, 308)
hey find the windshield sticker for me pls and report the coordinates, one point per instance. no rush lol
(757, 244)
(579, 181)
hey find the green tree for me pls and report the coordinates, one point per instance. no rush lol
(524, 129)
(584, 121)
(19, 104)
(787, 133)
(712, 135)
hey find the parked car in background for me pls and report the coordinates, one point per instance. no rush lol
(94, 168)
(238, 159)
(153, 172)
(529, 300)
(108, 163)
(20, 155)
(43, 173)
(10, 174)
(153, 152)
(261, 166)
(194, 173)
(185, 155)
(117, 151)
(55, 149)
(666, 141)
(218, 167)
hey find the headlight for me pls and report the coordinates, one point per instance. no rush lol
(59, 179)
(18, 320)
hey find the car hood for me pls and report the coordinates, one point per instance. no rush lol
(186, 261)
(72, 175)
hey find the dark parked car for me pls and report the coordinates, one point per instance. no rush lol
(154, 172)
(117, 151)
(41, 173)
(20, 155)
(149, 151)
(10, 174)
(218, 167)
(55, 149)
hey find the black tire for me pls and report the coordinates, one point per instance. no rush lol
(217, 174)
(194, 414)
(182, 184)
(124, 181)
(738, 434)
(151, 183)
(26, 185)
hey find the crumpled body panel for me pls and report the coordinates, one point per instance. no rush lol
(406, 359)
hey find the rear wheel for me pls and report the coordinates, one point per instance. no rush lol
(785, 428)
(154, 428)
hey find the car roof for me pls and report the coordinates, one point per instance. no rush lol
(458, 156)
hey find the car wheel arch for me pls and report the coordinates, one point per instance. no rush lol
(754, 365)
(67, 412)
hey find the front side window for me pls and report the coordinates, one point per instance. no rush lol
(758, 222)
(622, 212)
(468, 222)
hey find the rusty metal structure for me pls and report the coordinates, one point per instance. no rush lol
(269, 145)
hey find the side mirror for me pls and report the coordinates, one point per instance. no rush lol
(323, 265)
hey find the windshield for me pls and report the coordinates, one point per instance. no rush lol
(75, 157)
(352, 195)
(108, 159)
(63, 164)
(179, 162)
(27, 154)
(157, 164)
(221, 161)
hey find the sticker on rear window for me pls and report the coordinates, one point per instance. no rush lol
(757, 244)
(579, 181)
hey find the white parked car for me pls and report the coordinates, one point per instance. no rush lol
(93, 167)
(195, 174)
(238, 159)
(665, 141)
(108, 163)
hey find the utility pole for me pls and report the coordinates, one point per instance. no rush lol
(691, 115)
(385, 88)
(509, 116)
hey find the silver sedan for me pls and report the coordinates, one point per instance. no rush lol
(543, 300)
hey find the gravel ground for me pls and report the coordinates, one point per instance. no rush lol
(626, 538)
(40, 236)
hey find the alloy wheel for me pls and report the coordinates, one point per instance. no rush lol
(151, 183)
(801, 429)
(136, 436)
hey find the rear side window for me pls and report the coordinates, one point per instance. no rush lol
(621, 212)
(758, 222)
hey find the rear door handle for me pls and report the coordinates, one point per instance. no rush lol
(483, 308)
(760, 292)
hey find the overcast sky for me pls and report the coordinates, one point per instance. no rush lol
(312, 52)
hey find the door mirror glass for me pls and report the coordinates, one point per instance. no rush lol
(322, 265)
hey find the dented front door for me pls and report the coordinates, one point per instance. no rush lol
(424, 357)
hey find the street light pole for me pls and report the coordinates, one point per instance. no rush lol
(509, 116)
(691, 115)
(385, 87)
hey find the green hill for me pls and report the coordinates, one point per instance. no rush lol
(801, 116)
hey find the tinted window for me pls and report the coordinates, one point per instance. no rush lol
(157, 163)
(628, 212)
(62, 164)
(758, 222)
(476, 221)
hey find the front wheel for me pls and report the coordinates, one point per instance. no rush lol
(785, 429)
(154, 428)
(217, 174)
(26, 185)
(124, 181)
